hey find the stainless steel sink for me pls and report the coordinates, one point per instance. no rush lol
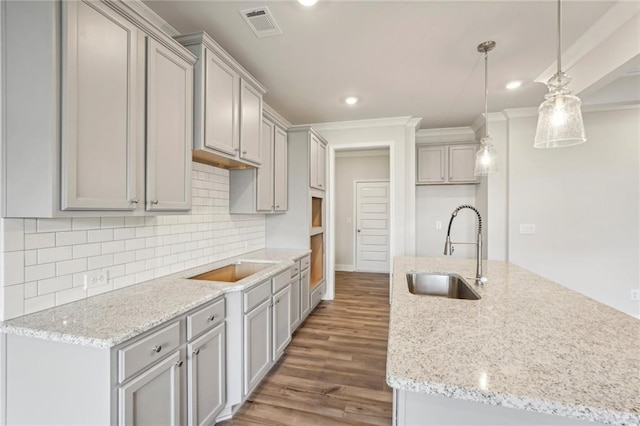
(234, 272)
(441, 284)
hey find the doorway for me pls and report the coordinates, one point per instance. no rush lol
(372, 226)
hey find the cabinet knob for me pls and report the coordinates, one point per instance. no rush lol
(236, 149)
(134, 201)
(196, 352)
(358, 230)
(244, 152)
(211, 317)
(157, 348)
(277, 207)
(320, 185)
(154, 201)
(179, 363)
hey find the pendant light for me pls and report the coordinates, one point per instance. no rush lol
(486, 158)
(559, 117)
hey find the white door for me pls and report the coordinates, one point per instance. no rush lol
(372, 221)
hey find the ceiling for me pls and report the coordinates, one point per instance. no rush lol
(403, 58)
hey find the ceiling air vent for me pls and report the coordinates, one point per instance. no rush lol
(261, 21)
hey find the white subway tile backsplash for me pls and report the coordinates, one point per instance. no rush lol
(54, 225)
(39, 272)
(87, 250)
(36, 241)
(55, 254)
(45, 260)
(85, 223)
(101, 235)
(99, 262)
(35, 304)
(70, 238)
(52, 285)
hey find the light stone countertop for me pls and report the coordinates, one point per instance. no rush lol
(528, 343)
(108, 319)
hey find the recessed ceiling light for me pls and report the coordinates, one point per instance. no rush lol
(351, 100)
(513, 85)
(307, 2)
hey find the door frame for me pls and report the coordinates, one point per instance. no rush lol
(330, 244)
(355, 216)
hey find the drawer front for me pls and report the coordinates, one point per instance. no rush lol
(305, 262)
(295, 269)
(317, 294)
(205, 318)
(145, 352)
(280, 281)
(257, 295)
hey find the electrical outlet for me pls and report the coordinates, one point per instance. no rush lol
(438, 224)
(94, 279)
(635, 294)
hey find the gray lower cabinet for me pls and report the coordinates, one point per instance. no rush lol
(257, 345)
(305, 306)
(155, 396)
(295, 302)
(206, 356)
(281, 314)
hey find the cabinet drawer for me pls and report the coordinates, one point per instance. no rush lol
(305, 262)
(295, 269)
(205, 318)
(256, 295)
(317, 294)
(280, 281)
(145, 352)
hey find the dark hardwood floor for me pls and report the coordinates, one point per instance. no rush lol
(333, 372)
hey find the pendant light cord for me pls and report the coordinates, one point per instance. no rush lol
(559, 36)
(486, 93)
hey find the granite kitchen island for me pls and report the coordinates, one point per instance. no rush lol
(529, 351)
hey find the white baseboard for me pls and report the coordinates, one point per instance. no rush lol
(345, 268)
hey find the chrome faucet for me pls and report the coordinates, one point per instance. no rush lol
(448, 245)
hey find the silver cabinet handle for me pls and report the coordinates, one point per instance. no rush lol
(134, 201)
(154, 201)
(236, 149)
(211, 317)
(157, 348)
(358, 230)
(277, 207)
(244, 152)
(196, 352)
(179, 363)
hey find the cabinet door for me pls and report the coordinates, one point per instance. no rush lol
(101, 103)
(257, 345)
(304, 294)
(295, 303)
(250, 123)
(222, 106)
(154, 397)
(431, 164)
(264, 175)
(313, 162)
(206, 358)
(169, 129)
(322, 158)
(281, 321)
(462, 164)
(280, 175)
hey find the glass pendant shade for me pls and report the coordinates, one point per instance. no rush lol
(559, 121)
(486, 158)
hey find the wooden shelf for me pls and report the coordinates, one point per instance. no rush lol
(317, 258)
(316, 212)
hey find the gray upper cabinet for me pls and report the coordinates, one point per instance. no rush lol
(169, 129)
(100, 108)
(228, 107)
(77, 142)
(446, 164)
(263, 190)
(317, 162)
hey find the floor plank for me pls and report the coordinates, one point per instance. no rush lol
(333, 372)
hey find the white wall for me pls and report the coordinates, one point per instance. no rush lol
(584, 201)
(351, 166)
(435, 203)
(45, 259)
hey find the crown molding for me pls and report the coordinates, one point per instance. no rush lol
(363, 153)
(533, 111)
(449, 134)
(363, 124)
(144, 11)
(414, 123)
(274, 116)
(493, 117)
